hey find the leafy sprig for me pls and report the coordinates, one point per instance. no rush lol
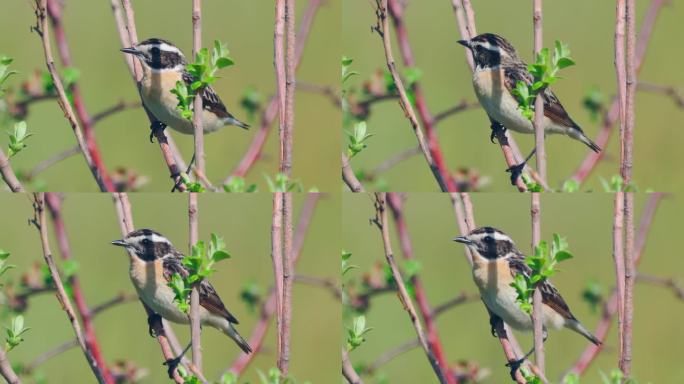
(17, 138)
(356, 333)
(5, 72)
(239, 185)
(544, 72)
(357, 139)
(203, 70)
(14, 333)
(543, 265)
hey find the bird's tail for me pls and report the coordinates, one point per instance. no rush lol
(579, 328)
(231, 120)
(233, 334)
(579, 135)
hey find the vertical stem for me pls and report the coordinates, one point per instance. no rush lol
(537, 304)
(279, 64)
(195, 331)
(288, 275)
(618, 258)
(197, 102)
(8, 174)
(539, 101)
(277, 259)
(290, 66)
(626, 171)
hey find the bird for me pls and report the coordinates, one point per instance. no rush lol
(496, 262)
(163, 65)
(153, 262)
(497, 71)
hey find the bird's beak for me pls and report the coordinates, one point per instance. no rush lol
(131, 50)
(465, 43)
(120, 243)
(462, 239)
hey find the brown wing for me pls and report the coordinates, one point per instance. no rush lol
(210, 100)
(209, 299)
(550, 295)
(553, 109)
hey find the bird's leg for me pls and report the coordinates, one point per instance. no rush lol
(515, 364)
(494, 322)
(498, 131)
(151, 320)
(172, 364)
(516, 170)
(156, 126)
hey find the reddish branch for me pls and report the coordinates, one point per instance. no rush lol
(8, 174)
(348, 370)
(40, 221)
(125, 216)
(125, 23)
(54, 205)
(197, 101)
(41, 28)
(55, 8)
(195, 330)
(396, 205)
(349, 177)
(396, 11)
(611, 305)
(612, 115)
(269, 114)
(268, 308)
(537, 305)
(383, 224)
(382, 28)
(6, 369)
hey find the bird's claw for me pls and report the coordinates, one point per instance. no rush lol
(515, 366)
(172, 365)
(515, 171)
(155, 127)
(151, 320)
(496, 129)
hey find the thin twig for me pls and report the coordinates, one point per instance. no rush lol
(54, 205)
(329, 284)
(268, 308)
(537, 304)
(55, 8)
(8, 174)
(288, 276)
(41, 28)
(40, 222)
(349, 177)
(382, 28)
(666, 90)
(277, 260)
(383, 224)
(611, 305)
(348, 370)
(396, 205)
(6, 369)
(195, 326)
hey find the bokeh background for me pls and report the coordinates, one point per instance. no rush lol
(245, 26)
(587, 26)
(244, 222)
(586, 221)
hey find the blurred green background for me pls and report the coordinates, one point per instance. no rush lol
(245, 26)
(586, 25)
(244, 221)
(586, 221)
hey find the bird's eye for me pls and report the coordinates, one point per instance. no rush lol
(146, 242)
(488, 239)
(154, 50)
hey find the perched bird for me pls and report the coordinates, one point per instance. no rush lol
(496, 262)
(163, 66)
(497, 71)
(153, 263)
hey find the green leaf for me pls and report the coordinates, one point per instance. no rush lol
(565, 62)
(224, 62)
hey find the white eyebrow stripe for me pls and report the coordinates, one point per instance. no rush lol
(153, 237)
(488, 46)
(168, 48)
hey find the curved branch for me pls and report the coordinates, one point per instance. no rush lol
(8, 174)
(349, 177)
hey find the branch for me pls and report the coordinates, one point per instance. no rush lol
(54, 205)
(666, 282)
(592, 159)
(253, 153)
(8, 174)
(6, 369)
(348, 369)
(383, 224)
(288, 275)
(349, 177)
(41, 28)
(537, 304)
(125, 23)
(382, 29)
(125, 216)
(269, 306)
(664, 90)
(195, 325)
(55, 8)
(611, 306)
(40, 222)
(277, 260)
(396, 205)
(396, 10)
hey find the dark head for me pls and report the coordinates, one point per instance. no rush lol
(488, 242)
(158, 54)
(489, 50)
(147, 244)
